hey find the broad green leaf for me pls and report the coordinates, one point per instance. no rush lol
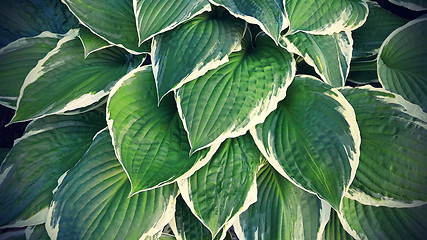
(37, 232)
(393, 156)
(334, 230)
(282, 211)
(415, 5)
(234, 97)
(312, 139)
(91, 42)
(173, 53)
(112, 20)
(379, 24)
(225, 187)
(148, 139)
(401, 62)
(29, 18)
(77, 82)
(363, 70)
(378, 223)
(16, 61)
(92, 202)
(268, 14)
(325, 16)
(49, 147)
(330, 55)
(154, 17)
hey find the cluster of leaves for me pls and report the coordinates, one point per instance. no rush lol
(208, 114)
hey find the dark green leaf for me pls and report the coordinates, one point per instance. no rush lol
(334, 230)
(91, 42)
(37, 232)
(416, 5)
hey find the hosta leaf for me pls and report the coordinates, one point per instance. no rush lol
(282, 211)
(29, 18)
(369, 222)
(330, 55)
(401, 62)
(379, 24)
(49, 147)
(268, 14)
(149, 139)
(393, 157)
(78, 82)
(334, 230)
(3, 153)
(92, 200)
(16, 61)
(416, 5)
(312, 139)
(363, 71)
(325, 16)
(154, 17)
(173, 55)
(224, 187)
(236, 96)
(91, 42)
(37, 232)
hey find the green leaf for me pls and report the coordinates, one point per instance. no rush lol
(3, 153)
(234, 97)
(16, 61)
(154, 17)
(312, 139)
(325, 16)
(268, 14)
(363, 70)
(29, 18)
(92, 202)
(91, 42)
(282, 211)
(211, 37)
(37, 232)
(148, 139)
(379, 24)
(401, 62)
(393, 157)
(415, 5)
(49, 147)
(13, 235)
(334, 230)
(225, 187)
(77, 82)
(330, 55)
(369, 222)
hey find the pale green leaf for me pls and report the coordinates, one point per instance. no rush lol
(37, 232)
(393, 158)
(282, 211)
(415, 5)
(190, 50)
(92, 202)
(312, 139)
(91, 42)
(49, 147)
(401, 62)
(334, 230)
(239, 94)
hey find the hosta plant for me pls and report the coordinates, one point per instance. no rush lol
(191, 119)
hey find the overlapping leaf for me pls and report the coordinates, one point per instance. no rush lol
(190, 50)
(416, 5)
(37, 232)
(92, 200)
(149, 140)
(91, 42)
(363, 71)
(330, 55)
(334, 230)
(401, 62)
(236, 96)
(312, 139)
(49, 147)
(64, 80)
(282, 211)
(393, 159)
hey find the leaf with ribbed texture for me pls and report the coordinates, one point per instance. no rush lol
(330, 55)
(282, 211)
(416, 5)
(401, 62)
(16, 61)
(393, 156)
(92, 200)
(29, 18)
(234, 97)
(210, 37)
(325, 16)
(91, 42)
(148, 139)
(378, 223)
(379, 24)
(363, 70)
(268, 14)
(154, 17)
(224, 187)
(37, 232)
(312, 139)
(49, 147)
(77, 82)
(334, 230)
